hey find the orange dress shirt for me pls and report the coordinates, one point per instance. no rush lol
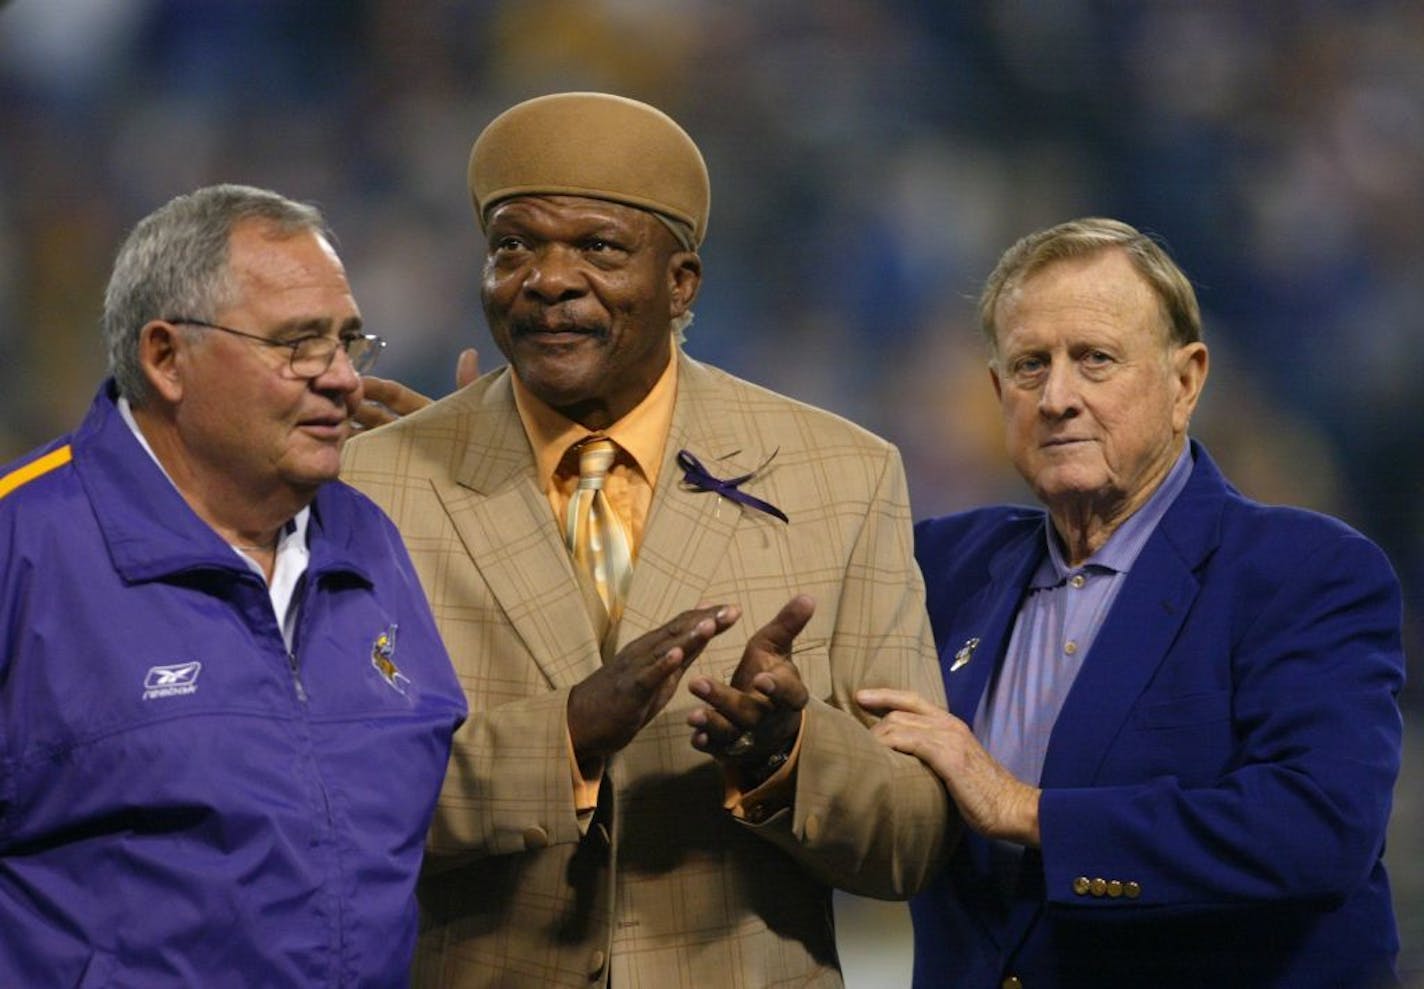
(640, 436)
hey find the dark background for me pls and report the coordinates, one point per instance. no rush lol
(869, 161)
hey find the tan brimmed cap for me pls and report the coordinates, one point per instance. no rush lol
(595, 145)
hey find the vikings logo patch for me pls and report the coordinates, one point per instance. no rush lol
(383, 651)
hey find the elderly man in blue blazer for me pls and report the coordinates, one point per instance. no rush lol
(1173, 723)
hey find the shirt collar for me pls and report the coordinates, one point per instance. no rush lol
(126, 413)
(1120, 551)
(642, 433)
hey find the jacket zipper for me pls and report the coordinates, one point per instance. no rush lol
(297, 677)
(299, 594)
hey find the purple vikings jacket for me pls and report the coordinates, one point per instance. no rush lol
(182, 802)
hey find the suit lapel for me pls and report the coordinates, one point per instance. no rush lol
(1138, 632)
(504, 520)
(688, 532)
(967, 665)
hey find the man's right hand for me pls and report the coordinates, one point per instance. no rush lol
(386, 400)
(991, 801)
(609, 708)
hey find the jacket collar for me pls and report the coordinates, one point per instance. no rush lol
(1133, 641)
(1146, 618)
(998, 602)
(496, 450)
(150, 531)
(689, 532)
(504, 499)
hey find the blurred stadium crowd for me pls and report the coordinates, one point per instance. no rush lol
(869, 160)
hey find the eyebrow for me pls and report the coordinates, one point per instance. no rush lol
(524, 219)
(315, 326)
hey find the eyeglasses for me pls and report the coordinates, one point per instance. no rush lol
(311, 355)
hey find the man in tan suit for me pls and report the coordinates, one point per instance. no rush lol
(599, 825)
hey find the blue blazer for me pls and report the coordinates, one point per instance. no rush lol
(1217, 786)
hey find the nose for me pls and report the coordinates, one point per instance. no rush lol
(554, 275)
(339, 378)
(1059, 397)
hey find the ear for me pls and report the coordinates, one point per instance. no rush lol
(1190, 364)
(684, 279)
(160, 354)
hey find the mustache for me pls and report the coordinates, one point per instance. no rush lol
(555, 320)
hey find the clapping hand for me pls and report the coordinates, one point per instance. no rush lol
(611, 706)
(758, 714)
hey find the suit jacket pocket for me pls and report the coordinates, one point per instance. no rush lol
(1187, 710)
(1187, 738)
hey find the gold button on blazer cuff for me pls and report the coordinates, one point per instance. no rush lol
(1112, 888)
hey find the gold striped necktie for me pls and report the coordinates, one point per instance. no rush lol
(593, 531)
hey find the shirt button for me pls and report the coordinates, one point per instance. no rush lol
(1081, 885)
(1070, 647)
(1078, 580)
(1131, 890)
(1012, 982)
(1114, 888)
(1098, 887)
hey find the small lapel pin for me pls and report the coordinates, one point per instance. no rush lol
(696, 478)
(965, 654)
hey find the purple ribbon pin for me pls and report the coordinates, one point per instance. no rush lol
(695, 476)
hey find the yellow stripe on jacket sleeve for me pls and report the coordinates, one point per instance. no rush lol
(35, 468)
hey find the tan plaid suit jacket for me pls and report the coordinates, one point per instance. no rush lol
(666, 888)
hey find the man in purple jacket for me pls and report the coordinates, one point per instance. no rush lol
(224, 709)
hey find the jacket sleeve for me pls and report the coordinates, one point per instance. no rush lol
(1300, 810)
(509, 787)
(865, 818)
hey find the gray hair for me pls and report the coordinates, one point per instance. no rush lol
(1080, 238)
(174, 263)
(679, 327)
(686, 241)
